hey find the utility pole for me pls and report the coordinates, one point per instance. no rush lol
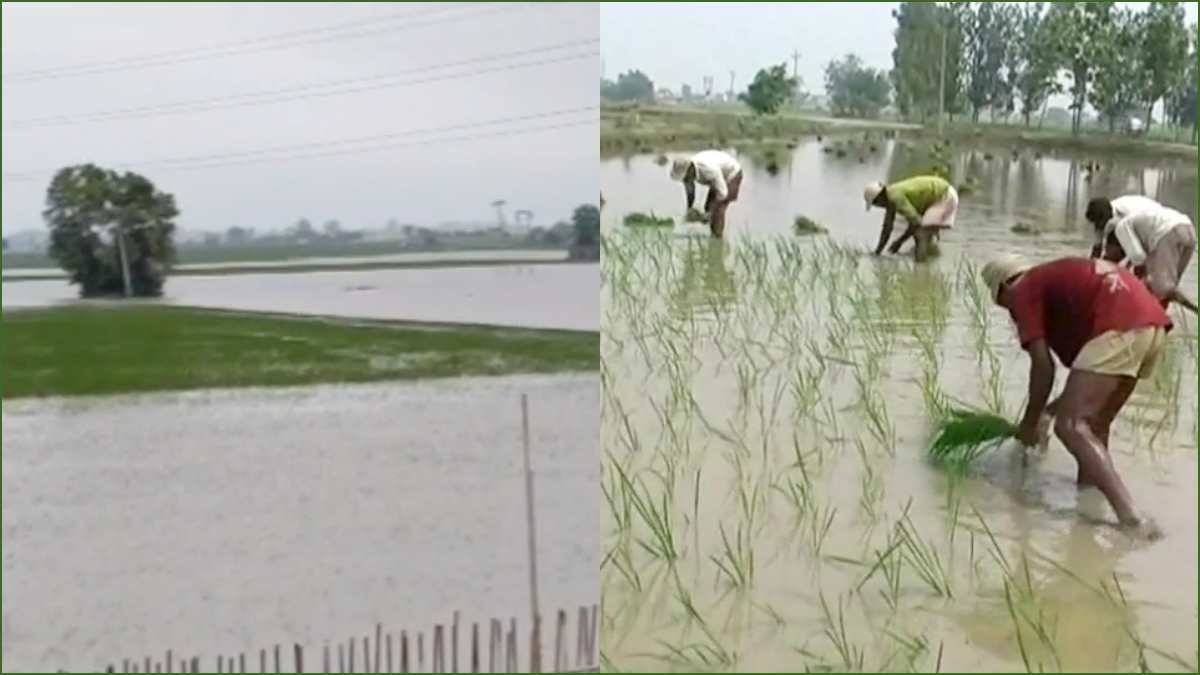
(732, 76)
(796, 77)
(942, 78)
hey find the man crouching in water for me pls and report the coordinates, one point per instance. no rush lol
(1110, 330)
(721, 173)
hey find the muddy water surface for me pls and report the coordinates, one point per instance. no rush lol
(539, 296)
(766, 403)
(222, 522)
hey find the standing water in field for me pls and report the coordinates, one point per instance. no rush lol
(767, 402)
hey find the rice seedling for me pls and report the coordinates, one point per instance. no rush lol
(775, 501)
(638, 219)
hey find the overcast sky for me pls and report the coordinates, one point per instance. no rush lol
(678, 44)
(452, 178)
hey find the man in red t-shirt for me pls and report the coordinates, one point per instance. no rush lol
(1109, 330)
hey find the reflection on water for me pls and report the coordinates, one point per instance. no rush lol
(541, 296)
(222, 522)
(705, 285)
(765, 405)
(1047, 192)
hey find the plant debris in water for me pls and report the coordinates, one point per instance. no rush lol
(1025, 229)
(695, 215)
(804, 225)
(637, 219)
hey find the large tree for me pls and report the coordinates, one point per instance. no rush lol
(1079, 31)
(1117, 90)
(770, 90)
(585, 222)
(989, 52)
(630, 87)
(1183, 104)
(927, 59)
(1033, 59)
(855, 90)
(97, 216)
(1164, 49)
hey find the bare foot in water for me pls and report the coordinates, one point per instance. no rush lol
(1144, 529)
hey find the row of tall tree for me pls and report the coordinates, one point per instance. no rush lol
(1005, 58)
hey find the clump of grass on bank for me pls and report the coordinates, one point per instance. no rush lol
(638, 219)
(79, 351)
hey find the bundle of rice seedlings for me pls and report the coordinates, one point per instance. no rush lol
(647, 220)
(966, 434)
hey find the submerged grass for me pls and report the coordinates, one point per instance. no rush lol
(768, 509)
(96, 350)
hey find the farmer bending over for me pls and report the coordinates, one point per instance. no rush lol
(721, 173)
(1110, 330)
(929, 204)
(1158, 242)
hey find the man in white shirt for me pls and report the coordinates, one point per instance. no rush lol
(1157, 241)
(718, 171)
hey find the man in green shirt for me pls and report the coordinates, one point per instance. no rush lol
(929, 204)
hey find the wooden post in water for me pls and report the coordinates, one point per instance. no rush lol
(535, 653)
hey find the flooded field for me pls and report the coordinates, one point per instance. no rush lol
(766, 404)
(335, 261)
(233, 520)
(538, 296)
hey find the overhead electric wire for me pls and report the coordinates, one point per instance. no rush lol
(330, 148)
(269, 43)
(319, 90)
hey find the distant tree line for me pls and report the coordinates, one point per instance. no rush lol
(1002, 60)
(113, 233)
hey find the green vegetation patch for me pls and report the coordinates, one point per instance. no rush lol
(81, 351)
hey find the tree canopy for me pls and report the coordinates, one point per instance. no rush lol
(855, 90)
(1009, 57)
(770, 90)
(96, 215)
(631, 87)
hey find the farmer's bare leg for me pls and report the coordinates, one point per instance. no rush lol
(924, 243)
(1087, 397)
(717, 222)
(1102, 423)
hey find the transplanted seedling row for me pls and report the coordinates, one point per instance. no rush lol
(769, 506)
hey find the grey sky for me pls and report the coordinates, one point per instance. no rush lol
(548, 172)
(680, 44)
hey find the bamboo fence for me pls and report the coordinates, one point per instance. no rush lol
(497, 646)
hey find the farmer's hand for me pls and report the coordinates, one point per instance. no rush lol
(895, 248)
(1032, 435)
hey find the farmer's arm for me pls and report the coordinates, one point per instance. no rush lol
(1126, 236)
(689, 191)
(889, 222)
(1028, 313)
(716, 182)
(1041, 382)
(904, 207)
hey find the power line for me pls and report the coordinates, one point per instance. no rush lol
(269, 43)
(331, 148)
(335, 88)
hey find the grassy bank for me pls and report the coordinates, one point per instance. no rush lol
(112, 350)
(301, 268)
(662, 129)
